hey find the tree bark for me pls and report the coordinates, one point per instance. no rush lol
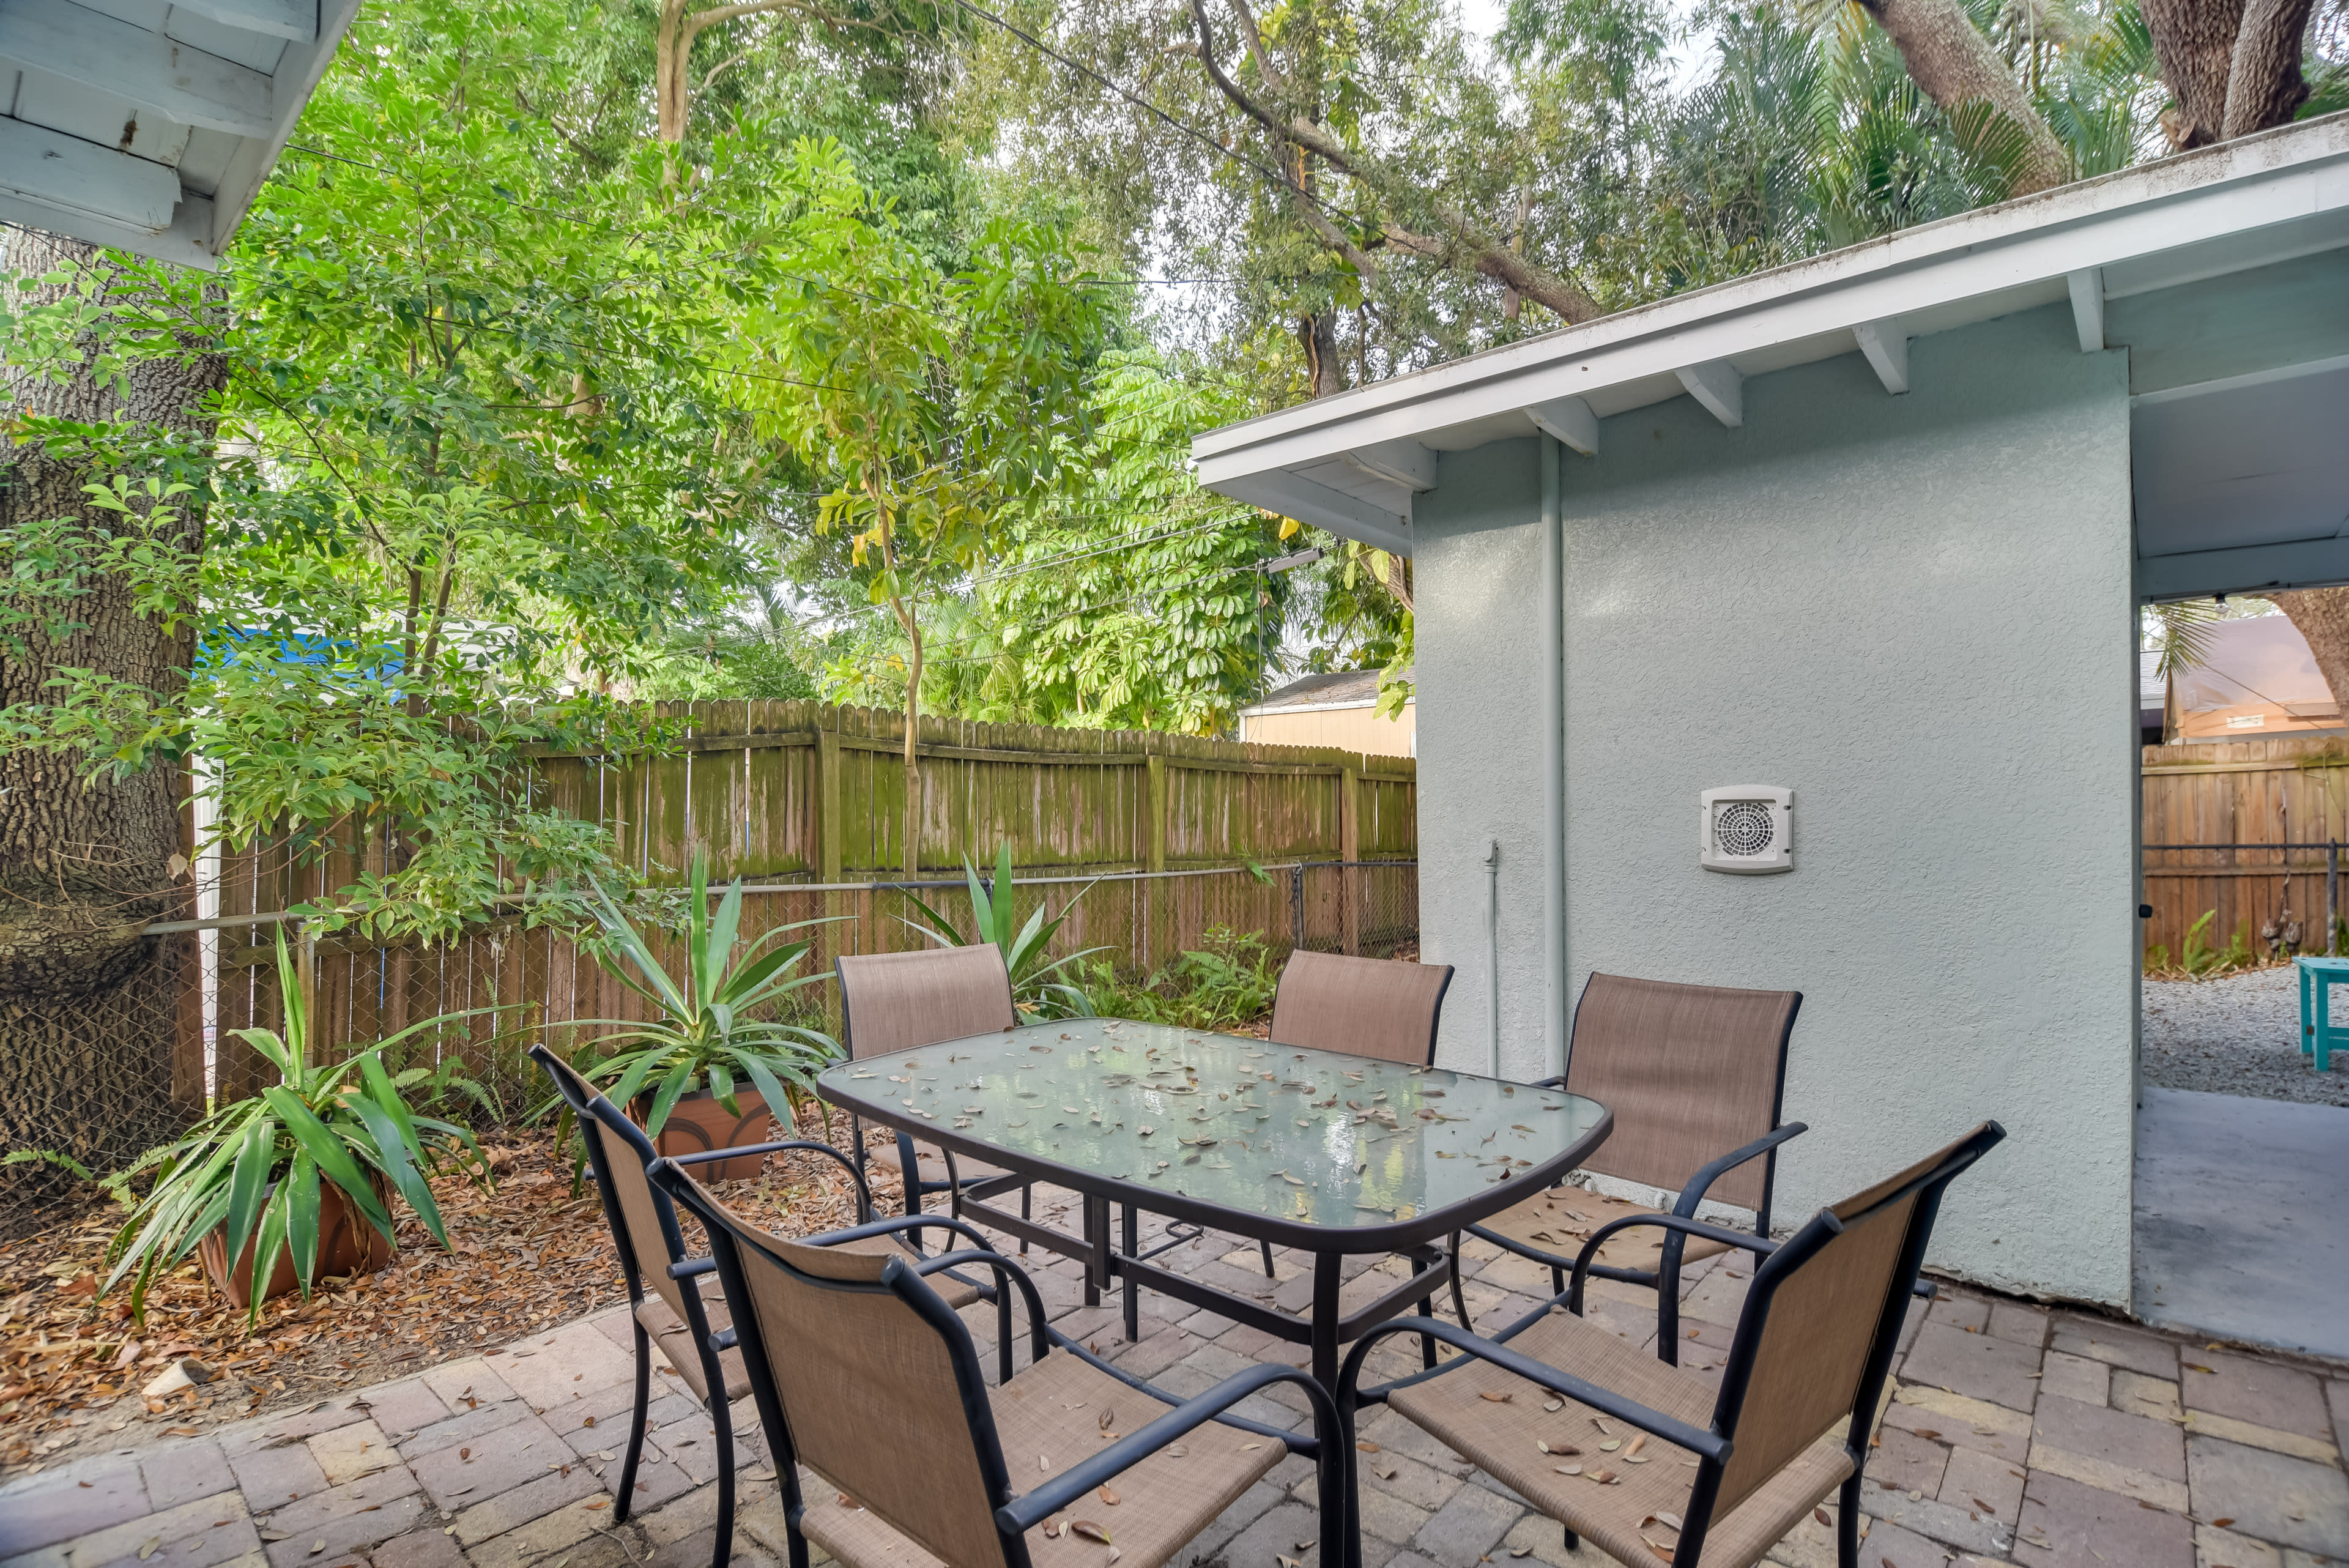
(2264, 86)
(2194, 43)
(1317, 333)
(88, 1003)
(2321, 616)
(1953, 64)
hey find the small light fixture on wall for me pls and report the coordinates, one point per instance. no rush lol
(1746, 829)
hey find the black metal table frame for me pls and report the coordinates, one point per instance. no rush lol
(1325, 1332)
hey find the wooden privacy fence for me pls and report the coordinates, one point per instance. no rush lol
(2252, 829)
(1157, 838)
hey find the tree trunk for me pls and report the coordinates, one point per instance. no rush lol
(88, 1003)
(2194, 43)
(1317, 333)
(2264, 86)
(2322, 616)
(1953, 65)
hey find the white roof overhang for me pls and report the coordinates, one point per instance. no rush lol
(1352, 464)
(149, 125)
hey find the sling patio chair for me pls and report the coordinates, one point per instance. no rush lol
(1364, 1007)
(1694, 1075)
(898, 1002)
(1708, 1476)
(865, 1373)
(683, 1314)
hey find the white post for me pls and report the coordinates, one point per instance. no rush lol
(1493, 957)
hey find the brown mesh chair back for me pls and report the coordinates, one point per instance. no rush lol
(895, 1001)
(872, 1392)
(641, 1219)
(1690, 1071)
(1817, 1332)
(1364, 1007)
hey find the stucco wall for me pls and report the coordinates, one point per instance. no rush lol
(1866, 599)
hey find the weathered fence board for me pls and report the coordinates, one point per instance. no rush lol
(794, 792)
(2263, 794)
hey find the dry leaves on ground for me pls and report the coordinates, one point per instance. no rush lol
(529, 1252)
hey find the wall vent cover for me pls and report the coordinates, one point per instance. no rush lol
(1746, 828)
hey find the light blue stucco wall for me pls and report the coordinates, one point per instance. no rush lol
(1917, 613)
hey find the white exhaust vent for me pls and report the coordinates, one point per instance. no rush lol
(1746, 828)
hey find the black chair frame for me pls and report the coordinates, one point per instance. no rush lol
(1713, 1445)
(1015, 1513)
(685, 1269)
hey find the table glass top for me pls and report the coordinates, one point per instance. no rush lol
(1310, 1137)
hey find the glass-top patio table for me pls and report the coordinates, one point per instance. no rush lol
(1331, 1154)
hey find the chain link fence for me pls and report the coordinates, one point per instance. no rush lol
(96, 1080)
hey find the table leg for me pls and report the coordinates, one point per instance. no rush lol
(2307, 1023)
(2323, 1023)
(1097, 1240)
(1326, 1270)
(1131, 1290)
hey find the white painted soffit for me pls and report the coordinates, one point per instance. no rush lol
(150, 124)
(2200, 214)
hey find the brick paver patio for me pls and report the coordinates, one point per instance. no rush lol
(2014, 1435)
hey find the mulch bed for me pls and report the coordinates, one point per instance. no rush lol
(526, 1253)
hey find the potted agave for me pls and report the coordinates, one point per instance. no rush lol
(704, 1071)
(293, 1184)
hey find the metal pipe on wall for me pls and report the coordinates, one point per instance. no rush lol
(1552, 639)
(1492, 956)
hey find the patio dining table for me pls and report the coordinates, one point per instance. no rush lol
(1331, 1154)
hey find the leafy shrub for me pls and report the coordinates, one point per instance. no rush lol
(1226, 983)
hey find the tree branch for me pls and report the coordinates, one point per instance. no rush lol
(2264, 86)
(1953, 65)
(1466, 247)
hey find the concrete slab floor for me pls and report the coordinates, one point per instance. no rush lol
(2239, 1231)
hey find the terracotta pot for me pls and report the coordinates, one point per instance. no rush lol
(347, 1244)
(697, 1123)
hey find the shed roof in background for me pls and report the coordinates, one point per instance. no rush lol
(150, 124)
(2259, 661)
(2240, 391)
(1339, 689)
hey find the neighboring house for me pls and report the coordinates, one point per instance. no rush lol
(1858, 528)
(1339, 709)
(2258, 679)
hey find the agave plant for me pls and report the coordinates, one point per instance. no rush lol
(1037, 982)
(253, 1169)
(704, 1030)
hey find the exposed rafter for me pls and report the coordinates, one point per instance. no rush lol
(1886, 348)
(1570, 420)
(2087, 286)
(1719, 387)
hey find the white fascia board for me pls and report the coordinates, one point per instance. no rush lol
(188, 240)
(2293, 172)
(2249, 569)
(1321, 506)
(298, 73)
(179, 82)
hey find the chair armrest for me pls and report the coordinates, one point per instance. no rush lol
(1762, 1246)
(690, 1267)
(1702, 1182)
(788, 1146)
(1005, 1269)
(1697, 1440)
(902, 1222)
(1025, 1512)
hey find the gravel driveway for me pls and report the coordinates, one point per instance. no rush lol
(2238, 1035)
